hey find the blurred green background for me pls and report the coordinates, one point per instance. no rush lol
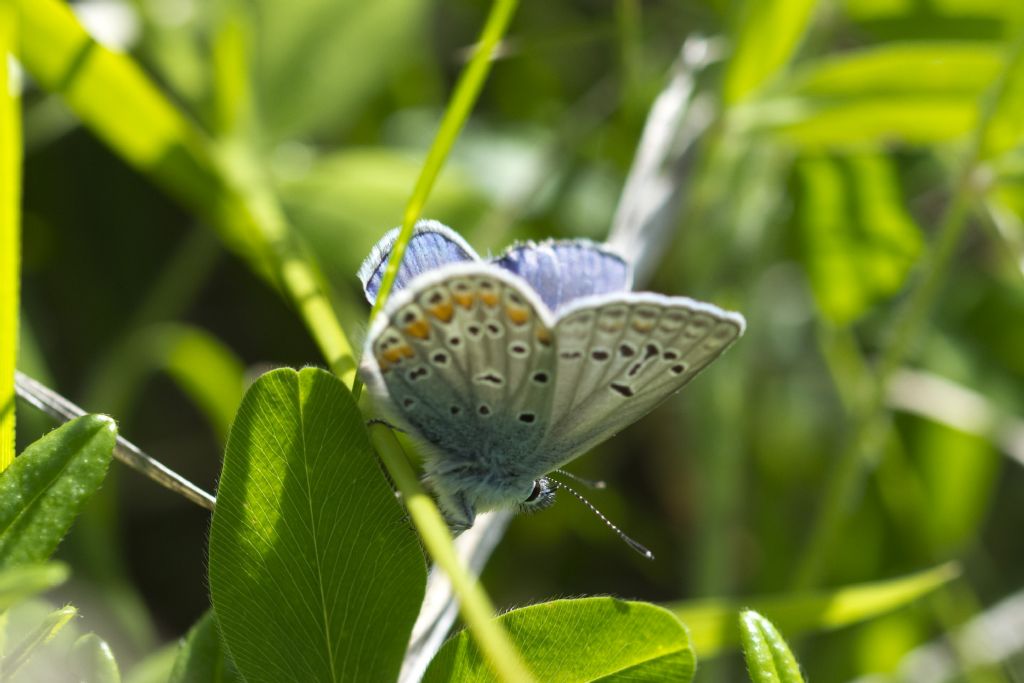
(846, 139)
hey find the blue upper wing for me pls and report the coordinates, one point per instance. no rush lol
(432, 245)
(562, 271)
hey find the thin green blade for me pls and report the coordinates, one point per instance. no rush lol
(46, 487)
(712, 623)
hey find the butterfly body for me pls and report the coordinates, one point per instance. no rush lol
(507, 370)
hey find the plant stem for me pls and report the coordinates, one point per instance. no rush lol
(10, 247)
(476, 607)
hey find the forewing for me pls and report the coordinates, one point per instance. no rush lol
(620, 356)
(432, 246)
(465, 357)
(566, 270)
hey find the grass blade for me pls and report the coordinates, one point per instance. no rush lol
(713, 627)
(466, 92)
(10, 227)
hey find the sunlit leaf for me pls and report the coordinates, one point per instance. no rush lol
(712, 622)
(10, 229)
(961, 18)
(18, 583)
(202, 657)
(144, 128)
(314, 572)
(959, 472)
(768, 657)
(769, 33)
(93, 661)
(581, 640)
(859, 242)
(1004, 129)
(912, 93)
(46, 487)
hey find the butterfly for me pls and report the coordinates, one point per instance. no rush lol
(507, 369)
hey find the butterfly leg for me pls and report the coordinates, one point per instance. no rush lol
(378, 421)
(457, 511)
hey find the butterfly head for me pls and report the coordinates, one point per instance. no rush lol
(541, 497)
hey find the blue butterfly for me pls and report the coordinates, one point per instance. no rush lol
(507, 369)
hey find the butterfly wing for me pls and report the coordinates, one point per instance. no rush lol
(432, 246)
(464, 358)
(566, 270)
(620, 356)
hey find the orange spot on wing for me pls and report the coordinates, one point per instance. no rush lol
(518, 316)
(442, 312)
(544, 336)
(419, 329)
(489, 298)
(391, 356)
(464, 300)
(406, 351)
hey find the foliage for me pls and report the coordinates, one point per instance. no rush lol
(186, 190)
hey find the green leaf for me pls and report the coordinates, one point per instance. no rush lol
(768, 657)
(314, 571)
(581, 640)
(156, 667)
(1004, 129)
(858, 241)
(915, 93)
(19, 655)
(959, 472)
(962, 18)
(324, 40)
(770, 32)
(46, 487)
(18, 583)
(10, 230)
(93, 661)
(202, 658)
(712, 622)
(145, 129)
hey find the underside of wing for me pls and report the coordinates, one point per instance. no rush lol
(620, 356)
(465, 357)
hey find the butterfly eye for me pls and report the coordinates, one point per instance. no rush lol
(535, 493)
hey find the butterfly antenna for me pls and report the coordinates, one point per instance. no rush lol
(619, 532)
(589, 483)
